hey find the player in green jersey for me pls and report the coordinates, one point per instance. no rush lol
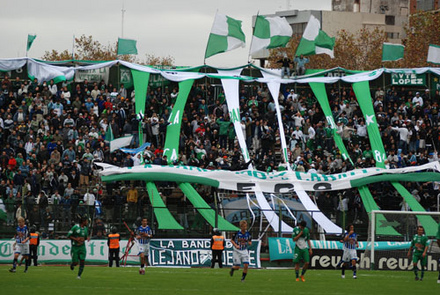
(303, 248)
(78, 234)
(419, 247)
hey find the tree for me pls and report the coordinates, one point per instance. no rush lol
(86, 48)
(421, 30)
(359, 51)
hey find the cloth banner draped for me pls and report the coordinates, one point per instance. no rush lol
(231, 93)
(171, 147)
(140, 81)
(317, 215)
(362, 92)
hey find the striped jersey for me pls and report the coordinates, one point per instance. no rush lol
(145, 230)
(242, 239)
(22, 234)
(351, 242)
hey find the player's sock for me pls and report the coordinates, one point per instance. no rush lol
(422, 273)
(343, 269)
(303, 272)
(243, 276)
(416, 271)
(26, 264)
(81, 269)
(14, 263)
(142, 265)
(354, 270)
(297, 273)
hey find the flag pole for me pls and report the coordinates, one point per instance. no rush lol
(73, 48)
(206, 49)
(252, 39)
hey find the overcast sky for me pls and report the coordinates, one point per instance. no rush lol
(178, 28)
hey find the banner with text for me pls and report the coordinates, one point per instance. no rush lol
(195, 253)
(94, 75)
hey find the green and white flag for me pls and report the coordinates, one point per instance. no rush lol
(120, 142)
(433, 54)
(127, 46)
(30, 40)
(226, 35)
(392, 52)
(270, 32)
(315, 41)
(109, 134)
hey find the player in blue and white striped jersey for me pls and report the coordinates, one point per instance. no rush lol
(22, 238)
(350, 246)
(241, 242)
(143, 236)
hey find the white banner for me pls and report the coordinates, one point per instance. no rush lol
(246, 180)
(93, 75)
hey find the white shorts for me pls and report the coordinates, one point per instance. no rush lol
(240, 257)
(144, 248)
(22, 249)
(349, 255)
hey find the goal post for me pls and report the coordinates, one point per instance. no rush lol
(405, 224)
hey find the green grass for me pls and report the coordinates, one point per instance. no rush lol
(104, 280)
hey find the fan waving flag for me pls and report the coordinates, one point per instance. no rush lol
(315, 41)
(270, 32)
(392, 52)
(126, 46)
(226, 35)
(434, 54)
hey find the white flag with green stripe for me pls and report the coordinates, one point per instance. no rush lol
(226, 34)
(434, 54)
(315, 41)
(270, 32)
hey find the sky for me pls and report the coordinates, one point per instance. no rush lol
(176, 28)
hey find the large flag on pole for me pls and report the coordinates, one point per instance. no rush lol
(270, 32)
(392, 52)
(315, 41)
(434, 54)
(226, 34)
(30, 40)
(127, 46)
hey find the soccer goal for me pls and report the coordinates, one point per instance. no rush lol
(389, 238)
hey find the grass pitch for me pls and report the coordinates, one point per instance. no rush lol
(104, 280)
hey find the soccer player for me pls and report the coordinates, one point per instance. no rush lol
(350, 255)
(303, 248)
(21, 244)
(419, 247)
(241, 242)
(78, 234)
(143, 236)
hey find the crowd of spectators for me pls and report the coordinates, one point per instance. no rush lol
(50, 135)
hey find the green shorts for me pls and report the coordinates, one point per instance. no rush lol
(78, 253)
(301, 254)
(419, 256)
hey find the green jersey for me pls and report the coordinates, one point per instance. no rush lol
(78, 232)
(302, 242)
(419, 243)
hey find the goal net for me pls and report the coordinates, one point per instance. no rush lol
(389, 238)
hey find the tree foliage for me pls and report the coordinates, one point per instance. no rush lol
(359, 51)
(86, 48)
(422, 30)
